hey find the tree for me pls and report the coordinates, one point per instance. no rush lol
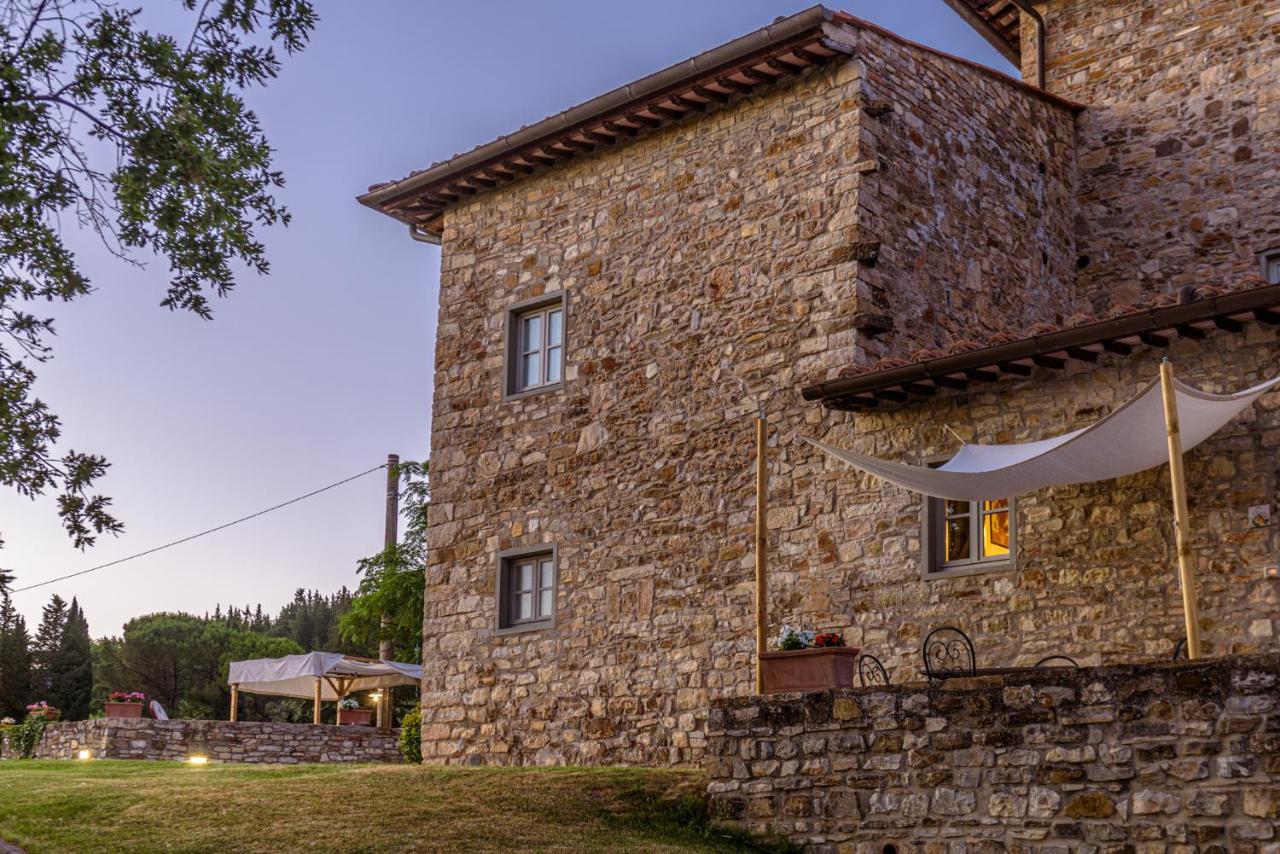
(181, 660)
(71, 676)
(44, 651)
(15, 661)
(189, 177)
(394, 580)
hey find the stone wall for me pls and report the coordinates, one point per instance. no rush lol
(1179, 148)
(723, 256)
(221, 741)
(1115, 758)
(972, 202)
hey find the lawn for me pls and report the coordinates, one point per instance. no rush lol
(48, 806)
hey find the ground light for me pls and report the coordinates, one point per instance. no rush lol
(197, 760)
(84, 754)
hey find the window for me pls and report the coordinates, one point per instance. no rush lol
(535, 346)
(1271, 266)
(526, 589)
(963, 537)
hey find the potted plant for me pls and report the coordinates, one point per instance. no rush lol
(124, 704)
(349, 712)
(43, 710)
(807, 661)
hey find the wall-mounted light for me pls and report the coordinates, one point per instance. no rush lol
(197, 760)
(84, 754)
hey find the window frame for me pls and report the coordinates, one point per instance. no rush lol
(933, 519)
(514, 351)
(1270, 264)
(508, 561)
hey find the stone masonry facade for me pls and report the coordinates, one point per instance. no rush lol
(1171, 757)
(220, 741)
(891, 201)
(1179, 148)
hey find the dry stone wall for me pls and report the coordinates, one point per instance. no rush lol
(1157, 758)
(220, 741)
(720, 258)
(1179, 148)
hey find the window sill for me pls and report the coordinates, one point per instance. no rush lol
(971, 569)
(522, 628)
(533, 392)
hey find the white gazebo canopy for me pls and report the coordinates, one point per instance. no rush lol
(1131, 439)
(319, 675)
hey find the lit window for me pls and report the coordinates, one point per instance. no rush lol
(968, 536)
(526, 589)
(535, 357)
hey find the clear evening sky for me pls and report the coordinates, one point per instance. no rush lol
(319, 370)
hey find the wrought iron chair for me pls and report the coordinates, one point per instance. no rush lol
(948, 652)
(1065, 659)
(871, 672)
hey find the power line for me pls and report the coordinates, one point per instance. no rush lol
(202, 533)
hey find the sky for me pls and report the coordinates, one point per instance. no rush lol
(319, 370)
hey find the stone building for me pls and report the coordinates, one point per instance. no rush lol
(812, 219)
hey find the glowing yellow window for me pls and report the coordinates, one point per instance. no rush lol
(964, 535)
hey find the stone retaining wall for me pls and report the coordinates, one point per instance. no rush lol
(221, 741)
(1109, 758)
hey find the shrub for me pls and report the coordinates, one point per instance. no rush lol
(24, 738)
(411, 737)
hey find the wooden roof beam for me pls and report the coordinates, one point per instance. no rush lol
(734, 85)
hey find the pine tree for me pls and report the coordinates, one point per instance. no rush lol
(53, 623)
(15, 661)
(71, 688)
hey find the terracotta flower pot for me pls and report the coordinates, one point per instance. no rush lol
(122, 710)
(50, 715)
(355, 717)
(808, 669)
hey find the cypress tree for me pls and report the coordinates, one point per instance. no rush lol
(15, 661)
(44, 650)
(71, 688)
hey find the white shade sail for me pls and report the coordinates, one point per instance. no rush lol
(295, 675)
(1129, 440)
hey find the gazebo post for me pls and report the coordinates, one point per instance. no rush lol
(235, 699)
(1181, 525)
(762, 541)
(315, 712)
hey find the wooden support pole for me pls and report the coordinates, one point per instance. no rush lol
(762, 542)
(315, 711)
(1181, 524)
(235, 701)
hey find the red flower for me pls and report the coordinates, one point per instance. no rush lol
(828, 639)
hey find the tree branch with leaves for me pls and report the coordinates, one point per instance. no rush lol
(145, 139)
(393, 581)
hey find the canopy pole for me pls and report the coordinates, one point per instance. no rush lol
(762, 541)
(315, 710)
(1181, 524)
(235, 700)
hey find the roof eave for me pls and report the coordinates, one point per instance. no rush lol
(718, 62)
(926, 378)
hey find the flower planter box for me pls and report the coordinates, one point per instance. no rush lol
(50, 715)
(122, 710)
(355, 717)
(808, 669)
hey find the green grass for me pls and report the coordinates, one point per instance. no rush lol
(49, 806)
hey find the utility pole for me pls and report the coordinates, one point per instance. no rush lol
(390, 537)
